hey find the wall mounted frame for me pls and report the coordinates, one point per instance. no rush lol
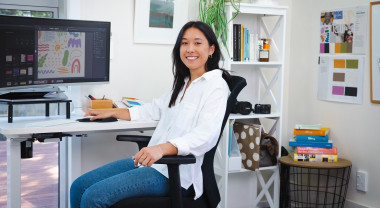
(375, 51)
(158, 21)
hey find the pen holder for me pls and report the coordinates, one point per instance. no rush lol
(99, 104)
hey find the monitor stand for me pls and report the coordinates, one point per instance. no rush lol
(35, 96)
(34, 93)
(22, 95)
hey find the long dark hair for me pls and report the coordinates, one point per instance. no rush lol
(180, 70)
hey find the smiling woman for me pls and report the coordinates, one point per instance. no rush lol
(190, 116)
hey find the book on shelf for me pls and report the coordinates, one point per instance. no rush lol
(294, 143)
(241, 43)
(234, 42)
(317, 150)
(308, 126)
(246, 45)
(311, 138)
(314, 157)
(321, 132)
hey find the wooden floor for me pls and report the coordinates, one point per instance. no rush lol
(39, 177)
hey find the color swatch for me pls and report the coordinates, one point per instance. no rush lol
(344, 76)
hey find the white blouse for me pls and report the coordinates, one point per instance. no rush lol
(192, 125)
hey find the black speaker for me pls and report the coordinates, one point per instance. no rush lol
(242, 107)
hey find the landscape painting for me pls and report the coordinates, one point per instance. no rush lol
(161, 13)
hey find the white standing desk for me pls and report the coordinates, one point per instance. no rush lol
(21, 129)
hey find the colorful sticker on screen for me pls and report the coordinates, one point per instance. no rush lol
(61, 54)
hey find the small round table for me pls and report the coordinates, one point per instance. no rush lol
(313, 184)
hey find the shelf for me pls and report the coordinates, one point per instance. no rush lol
(220, 172)
(256, 63)
(251, 115)
(264, 84)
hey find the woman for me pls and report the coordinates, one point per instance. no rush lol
(190, 116)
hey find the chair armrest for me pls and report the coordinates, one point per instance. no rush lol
(170, 159)
(142, 141)
(176, 159)
(133, 138)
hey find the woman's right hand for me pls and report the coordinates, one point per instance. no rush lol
(106, 113)
(99, 114)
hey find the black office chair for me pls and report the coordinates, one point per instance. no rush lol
(210, 197)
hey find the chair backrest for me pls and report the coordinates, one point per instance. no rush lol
(210, 188)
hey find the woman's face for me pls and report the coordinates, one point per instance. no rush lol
(195, 49)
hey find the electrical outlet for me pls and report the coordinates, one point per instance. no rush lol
(362, 180)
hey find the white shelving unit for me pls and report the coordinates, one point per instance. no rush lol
(245, 188)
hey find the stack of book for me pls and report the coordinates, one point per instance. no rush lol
(245, 45)
(128, 102)
(312, 144)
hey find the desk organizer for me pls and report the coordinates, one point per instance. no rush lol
(99, 104)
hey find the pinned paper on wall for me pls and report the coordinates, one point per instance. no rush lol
(340, 78)
(343, 30)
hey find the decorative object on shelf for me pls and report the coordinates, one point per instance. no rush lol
(268, 150)
(248, 138)
(213, 13)
(159, 21)
(264, 50)
(375, 51)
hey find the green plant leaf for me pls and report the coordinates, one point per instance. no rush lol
(213, 13)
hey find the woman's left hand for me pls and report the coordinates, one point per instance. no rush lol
(148, 155)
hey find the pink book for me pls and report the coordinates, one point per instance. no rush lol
(317, 150)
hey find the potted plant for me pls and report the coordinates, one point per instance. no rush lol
(212, 12)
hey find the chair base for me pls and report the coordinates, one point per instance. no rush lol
(149, 202)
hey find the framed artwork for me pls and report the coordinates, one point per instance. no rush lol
(375, 51)
(159, 21)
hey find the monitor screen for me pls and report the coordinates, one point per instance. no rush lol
(39, 51)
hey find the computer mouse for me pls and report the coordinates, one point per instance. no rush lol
(110, 119)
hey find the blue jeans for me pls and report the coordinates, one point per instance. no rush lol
(118, 180)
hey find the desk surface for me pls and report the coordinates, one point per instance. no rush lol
(342, 163)
(21, 126)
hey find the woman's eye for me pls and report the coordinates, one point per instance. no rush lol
(183, 43)
(198, 43)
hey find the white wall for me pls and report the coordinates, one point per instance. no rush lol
(353, 127)
(137, 70)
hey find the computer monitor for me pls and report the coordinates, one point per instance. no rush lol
(39, 52)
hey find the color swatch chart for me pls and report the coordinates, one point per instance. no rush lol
(341, 78)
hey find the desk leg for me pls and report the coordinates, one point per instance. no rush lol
(13, 174)
(47, 109)
(10, 113)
